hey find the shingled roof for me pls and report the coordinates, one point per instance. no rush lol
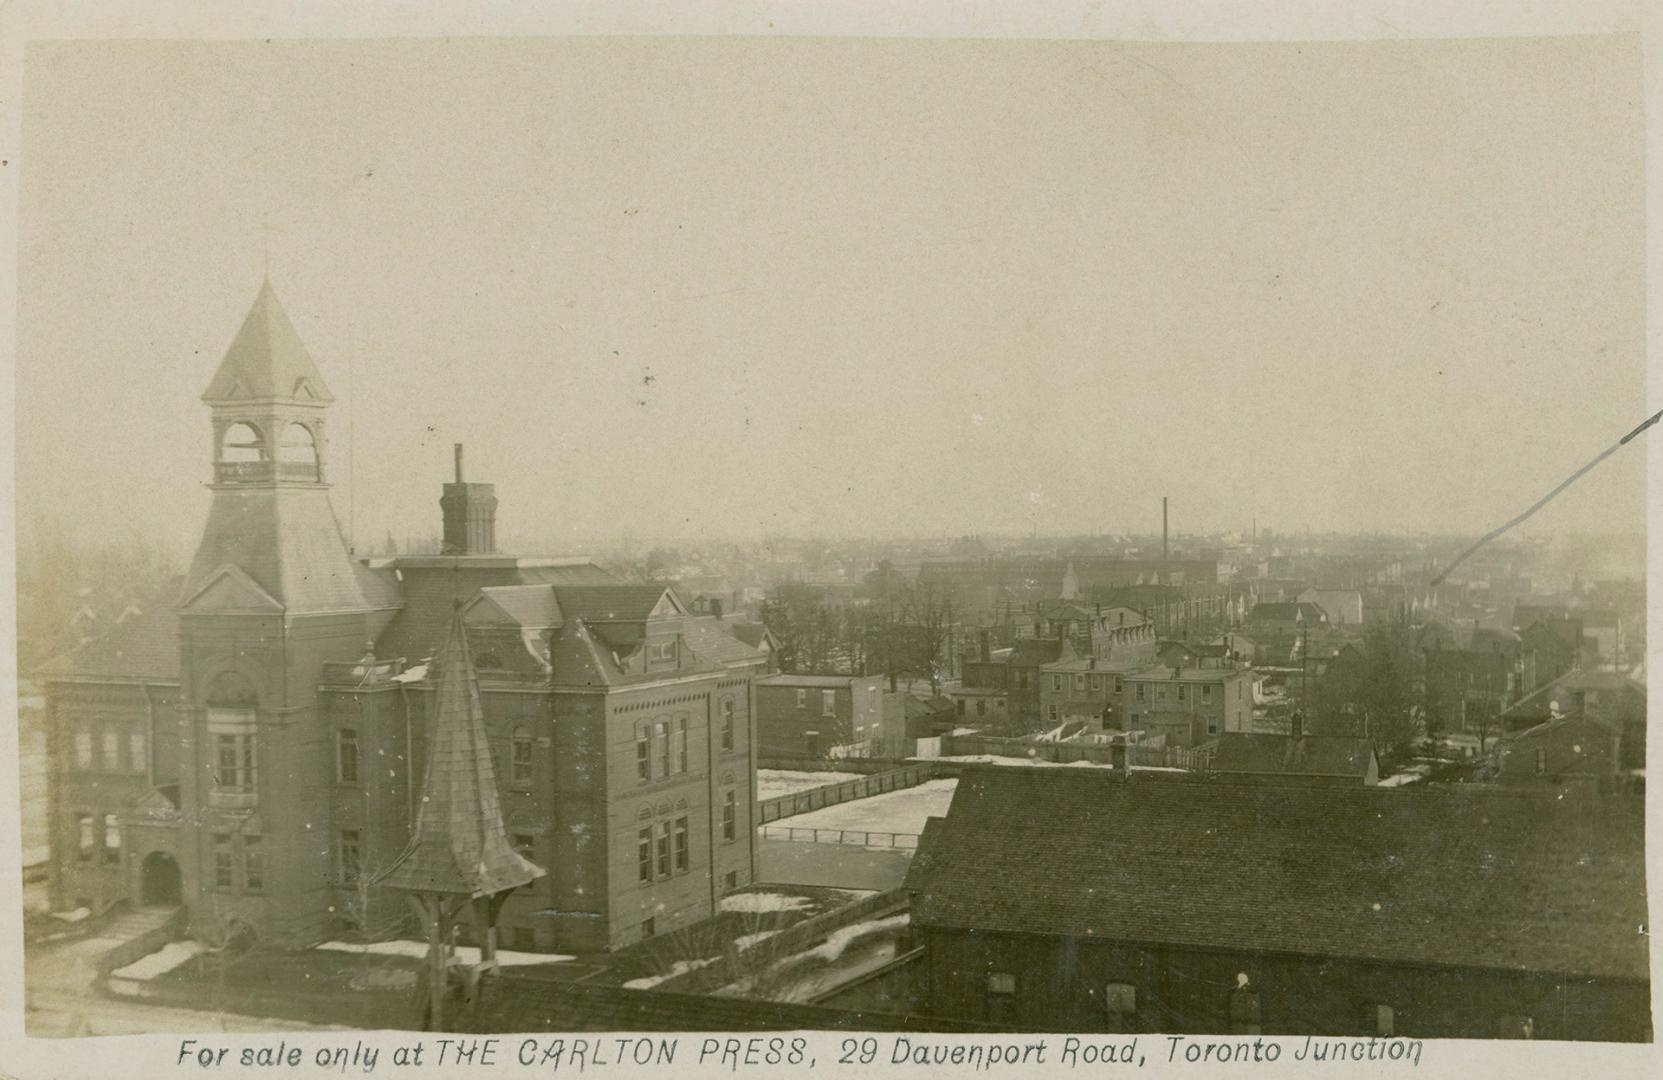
(459, 844)
(145, 647)
(1452, 875)
(267, 360)
(1308, 755)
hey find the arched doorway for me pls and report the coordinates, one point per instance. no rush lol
(160, 883)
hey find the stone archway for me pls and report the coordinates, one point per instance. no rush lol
(159, 881)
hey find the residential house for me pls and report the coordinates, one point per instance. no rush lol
(1581, 748)
(1344, 607)
(819, 716)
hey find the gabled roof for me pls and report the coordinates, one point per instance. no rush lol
(530, 607)
(231, 589)
(1308, 755)
(145, 646)
(713, 640)
(266, 360)
(1032, 652)
(610, 603)
(1457, 875)
(459, 844)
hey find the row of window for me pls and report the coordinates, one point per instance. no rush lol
(87, 838)
(1183, 695)
(828, 701)
(663, 850)
(105, 753)
(661, 745)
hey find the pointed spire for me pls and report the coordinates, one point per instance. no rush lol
(459, 844)
(267, 361)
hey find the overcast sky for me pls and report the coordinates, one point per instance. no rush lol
(729, 287)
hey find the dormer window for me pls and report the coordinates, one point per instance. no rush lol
(661, 652)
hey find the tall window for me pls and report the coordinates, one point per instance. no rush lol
(1119, 685)
(112, 839)
(346, 755)
(663, 848)
(643, 754)
(727, 723)
(138, 752)
(234, 761)
(112, 752)
(231, 732)
(828, 703)
(254, 864)
(86, 836)
(351, 856)
(1206, 693)
(1181, 689)
(680, 734)
(223, 871)
(83, 751)
(682, 859)
(519, 766)
(661, 739)
(1001, 996)
(730, 815)
(643, 854)
(1140, 692)
(802, 699)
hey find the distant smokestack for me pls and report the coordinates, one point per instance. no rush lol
(1163, 527)
(458, 463)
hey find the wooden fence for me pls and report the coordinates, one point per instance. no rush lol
(852, 837)
(801, 802)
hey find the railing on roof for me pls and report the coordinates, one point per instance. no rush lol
(851, 837)
(370, 672)
(253, 472)
(801, 802)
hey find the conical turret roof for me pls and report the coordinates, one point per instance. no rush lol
(459, 844)
(267, 361)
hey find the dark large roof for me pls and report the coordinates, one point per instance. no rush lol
(459, 844)
(431, 585)
(1454, 875)
(145, 646)
(1308, 755)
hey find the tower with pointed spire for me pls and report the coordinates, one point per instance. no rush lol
(272, 595)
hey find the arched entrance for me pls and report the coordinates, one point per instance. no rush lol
(160, 882)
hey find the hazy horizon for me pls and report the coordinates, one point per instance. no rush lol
(731, 288)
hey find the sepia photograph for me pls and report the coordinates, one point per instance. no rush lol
(1054, 549)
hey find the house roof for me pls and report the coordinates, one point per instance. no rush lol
(827, 682)
(1308, 755)
(1287, 612)
(610, 603)
(1032, 652)
(266, 360)
(713, 639)
(145, 646)
(459, 844)
(1454, 875)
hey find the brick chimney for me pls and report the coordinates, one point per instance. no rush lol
(470, 512)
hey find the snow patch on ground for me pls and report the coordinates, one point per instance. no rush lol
(841, 939)
(160, 962)
(902, 811)
(745, 941)
(756, 903)
(680, 967)
(467, 954)
(72, 916)
(772, 783)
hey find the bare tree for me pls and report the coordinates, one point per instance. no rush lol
(930, 614)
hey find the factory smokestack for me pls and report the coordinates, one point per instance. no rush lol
(1163, 528)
